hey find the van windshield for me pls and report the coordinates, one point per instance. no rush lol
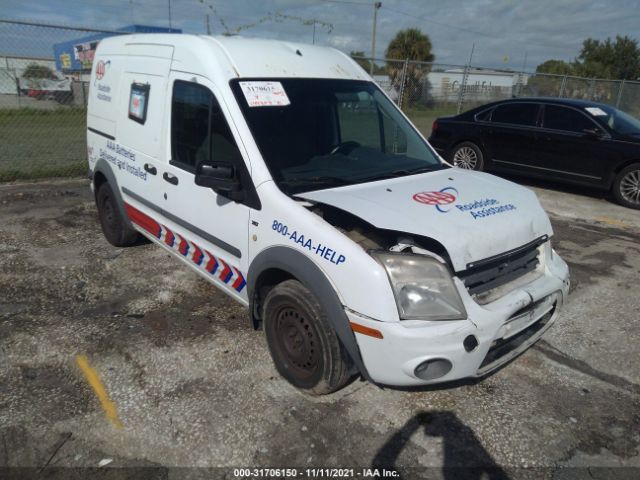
(331, 133)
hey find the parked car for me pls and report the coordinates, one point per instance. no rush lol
(282, 174)
(566, 140)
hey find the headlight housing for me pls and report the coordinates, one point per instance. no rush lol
(423, 287)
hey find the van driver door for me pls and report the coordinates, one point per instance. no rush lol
(206, 228)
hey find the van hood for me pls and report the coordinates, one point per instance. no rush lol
(474, 215)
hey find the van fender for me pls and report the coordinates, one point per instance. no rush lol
(103, 167)
(312, 277)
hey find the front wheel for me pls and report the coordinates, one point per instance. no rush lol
(467, 155)
(115, 229)
(626, 186)
(304, 347)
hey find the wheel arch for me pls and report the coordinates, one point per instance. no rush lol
(276, 264)
(611, 175)
(102, 173)
(477, 140)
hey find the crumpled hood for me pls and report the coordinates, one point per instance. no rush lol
(473, 214)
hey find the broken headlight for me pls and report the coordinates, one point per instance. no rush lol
(423, 287)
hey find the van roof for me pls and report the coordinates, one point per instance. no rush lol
(241, 57)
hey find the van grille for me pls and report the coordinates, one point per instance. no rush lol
(490, 273)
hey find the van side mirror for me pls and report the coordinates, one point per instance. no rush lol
(221, 177)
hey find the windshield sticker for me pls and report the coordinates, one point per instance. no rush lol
(596, 112)
(264, 94)
(326, 253)
(443, 200)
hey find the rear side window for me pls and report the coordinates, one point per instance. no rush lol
(516, 114)
(563, 118)
(483, 116)
(199, 129)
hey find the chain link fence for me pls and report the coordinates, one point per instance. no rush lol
(426, 91)
(44, 85)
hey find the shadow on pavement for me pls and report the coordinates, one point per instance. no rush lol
(464, 455)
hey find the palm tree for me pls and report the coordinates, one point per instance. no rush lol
(409, 44)
(412, 44)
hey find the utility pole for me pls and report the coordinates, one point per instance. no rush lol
(465, 78)
(314, 31)
(170, 28)
(376, 6)
(208, 25)
(521, 76)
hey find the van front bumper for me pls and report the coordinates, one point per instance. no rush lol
(418, 352)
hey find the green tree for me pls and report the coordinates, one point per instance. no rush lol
(363, 62)
(35, 70)
(612, 59)
(557, 67)
(414, 45)
(609, 59)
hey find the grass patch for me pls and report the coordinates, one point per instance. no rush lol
(76, 169)
(38, 143)
(423, 118)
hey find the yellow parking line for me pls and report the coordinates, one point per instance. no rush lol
(612, 221)
(98, 387)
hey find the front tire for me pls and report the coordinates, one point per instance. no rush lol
(304, 347)
(115, 229)
(467, 155)
(626, 186)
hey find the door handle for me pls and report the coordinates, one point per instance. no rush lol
(172, 179)
(150, 168)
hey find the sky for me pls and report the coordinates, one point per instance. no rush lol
(506, 33)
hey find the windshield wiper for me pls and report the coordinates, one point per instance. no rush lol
(314, 180)
(400, 173)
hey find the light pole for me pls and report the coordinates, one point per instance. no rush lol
(376, 6)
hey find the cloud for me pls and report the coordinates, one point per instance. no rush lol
(540, 29)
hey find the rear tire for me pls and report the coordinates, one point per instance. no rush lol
(626, 186)
(303, 345)
(115, 229)
(467, 155)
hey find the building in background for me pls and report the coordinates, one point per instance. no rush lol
(481, 85)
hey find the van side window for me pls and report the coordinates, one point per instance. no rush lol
(200, 131)
(223, 146)
(190, 113)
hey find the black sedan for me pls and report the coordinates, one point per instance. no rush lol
(565, 140)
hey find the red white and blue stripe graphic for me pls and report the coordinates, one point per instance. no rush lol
(201, 257)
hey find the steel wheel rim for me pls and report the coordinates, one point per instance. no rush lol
(630, 187)
(109, 213)
(297, 342)
(465, 157)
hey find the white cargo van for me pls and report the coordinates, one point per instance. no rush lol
(282, 174)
